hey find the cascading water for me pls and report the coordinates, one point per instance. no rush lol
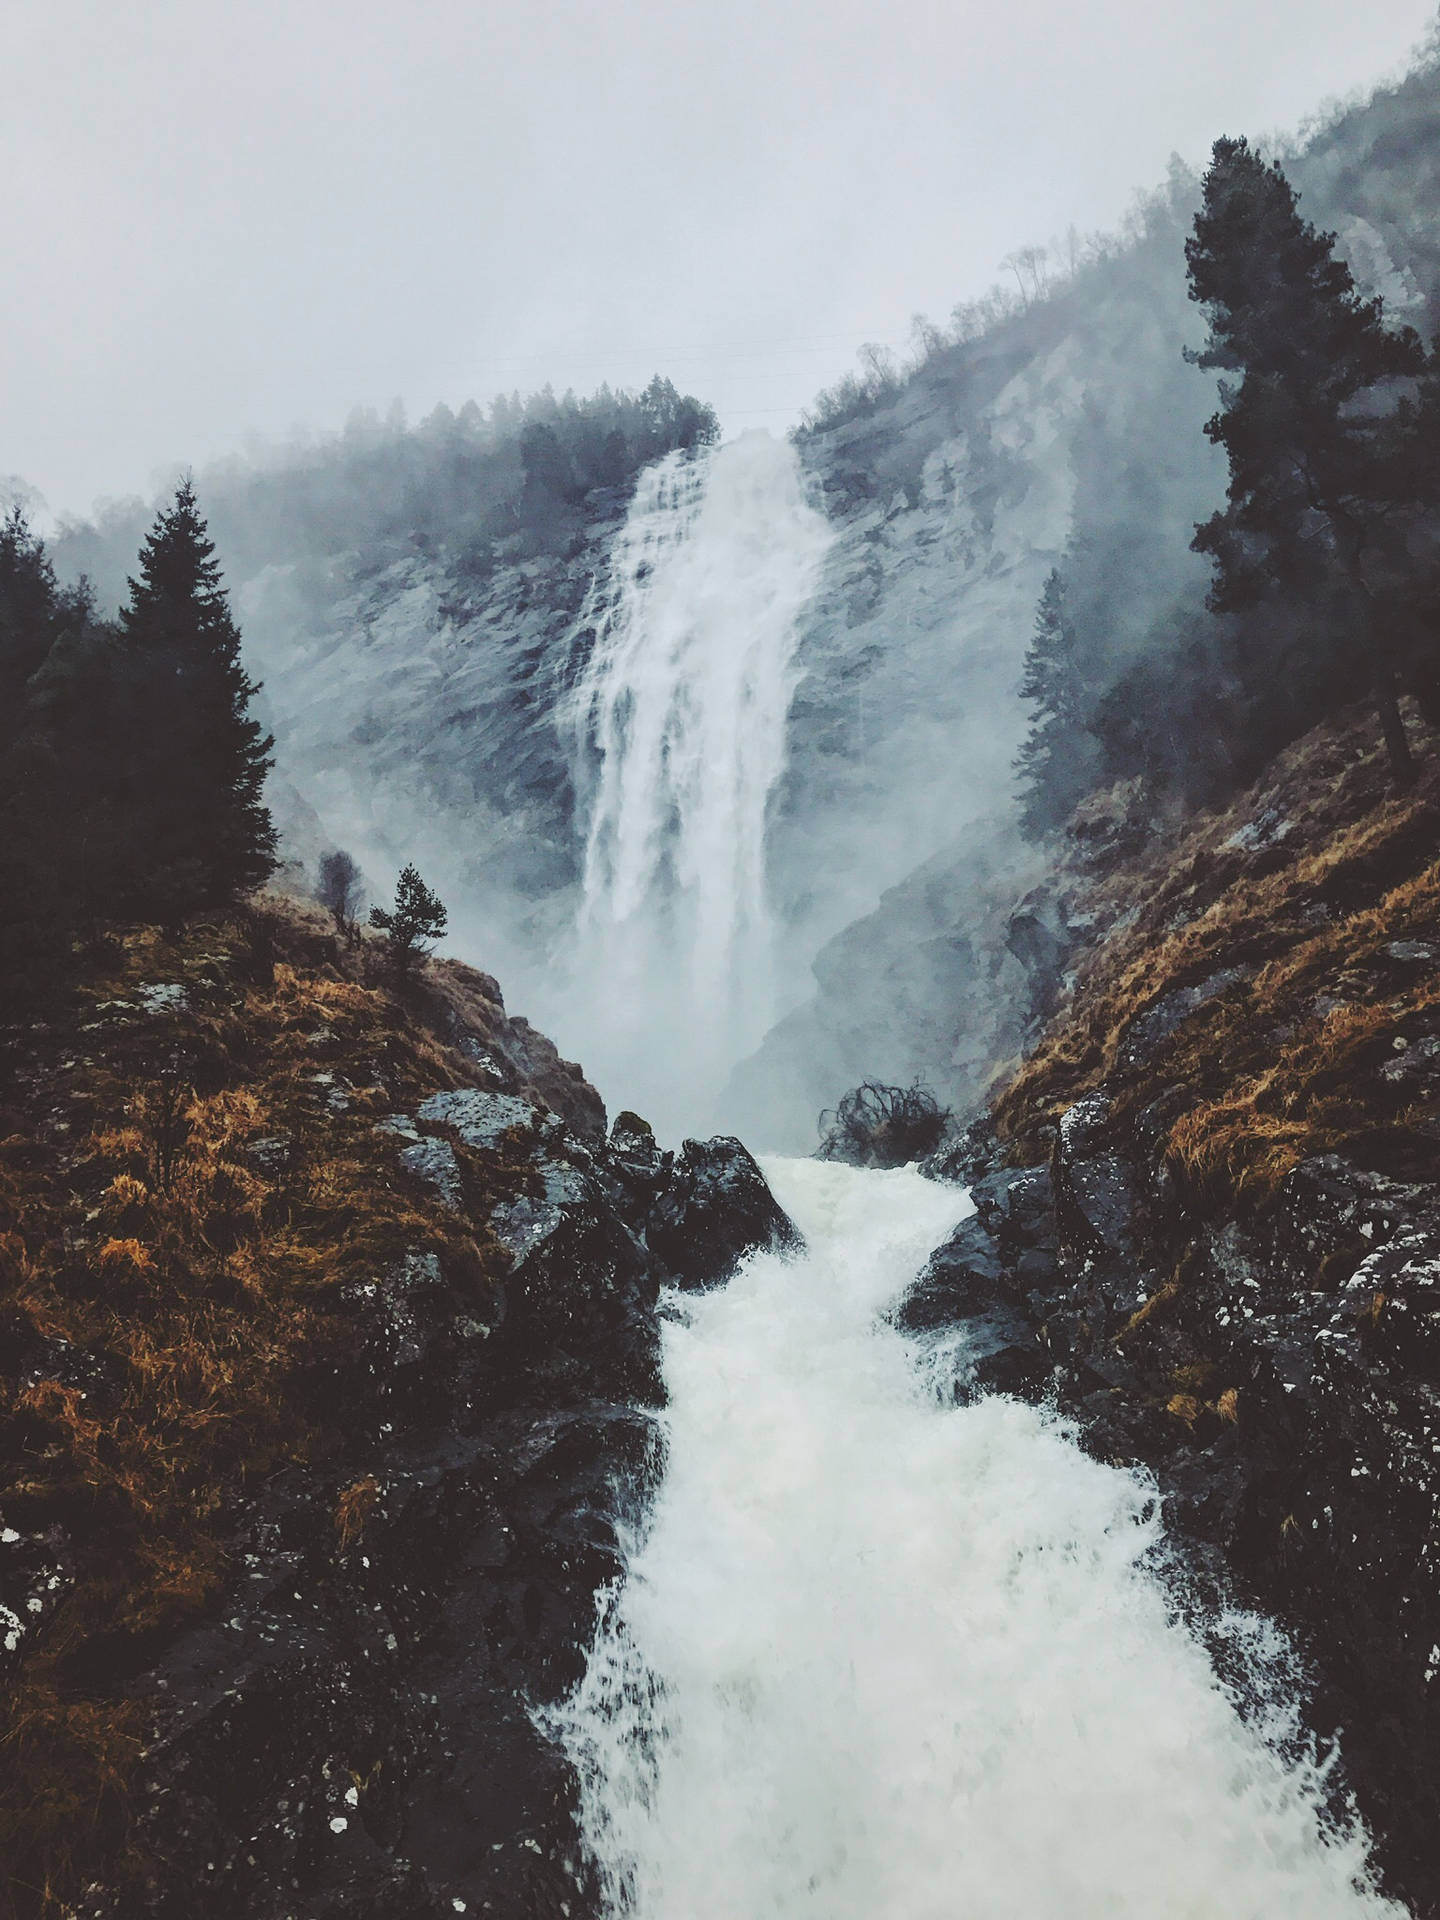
(877, 1657)
(679, 724)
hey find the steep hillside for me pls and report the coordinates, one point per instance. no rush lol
(327, 1332)
(1209, 1219)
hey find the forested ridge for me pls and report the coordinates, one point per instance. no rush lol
(474, 487)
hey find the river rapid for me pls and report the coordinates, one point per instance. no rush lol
(882, 1656)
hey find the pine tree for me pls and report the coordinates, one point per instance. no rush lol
(418, 920)
(29, 615)
(1309, 429)
(1055, 765)
(200, 762)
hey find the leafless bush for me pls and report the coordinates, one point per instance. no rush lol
(341, 892)
(880, 1126)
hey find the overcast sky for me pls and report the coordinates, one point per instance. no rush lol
(231, 219)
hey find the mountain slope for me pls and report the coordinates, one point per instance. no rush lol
(1209, 1224)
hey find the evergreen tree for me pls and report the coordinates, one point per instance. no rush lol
(30, 616)
(1177, 716)
(418, 920)
(1311, 428)
(60, 826)
(200, 765)
(1055, 766)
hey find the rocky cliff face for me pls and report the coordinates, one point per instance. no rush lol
(1277, 1376)
(1071, 432)
(328, 1357)
(416, 713)
(934, 986)
(1208, 1225)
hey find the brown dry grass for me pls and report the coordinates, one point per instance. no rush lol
(200, 1287)
(1285, 1063)
(354, 1507)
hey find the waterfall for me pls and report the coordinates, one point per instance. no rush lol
(679, 723)
(880, 1657)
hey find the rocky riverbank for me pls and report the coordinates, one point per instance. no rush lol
(329, 1343)
(1208, 1225)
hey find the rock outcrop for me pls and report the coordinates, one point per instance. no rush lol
(1279, 1380)
(354, 1735)
(336, 1719)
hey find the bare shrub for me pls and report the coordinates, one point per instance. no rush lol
(879, 1126)
(341, 892)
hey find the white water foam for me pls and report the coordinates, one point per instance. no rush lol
(679, 724)
(875, 1658)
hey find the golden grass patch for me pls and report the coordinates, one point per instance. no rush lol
(184, 1216)
(1284, 1061)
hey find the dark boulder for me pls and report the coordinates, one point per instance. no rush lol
(964, 1157)
(966, 1283)
(634, 1168)
(1017, 1205)
(581, 1290)
(961, 1280)
(713, 1209)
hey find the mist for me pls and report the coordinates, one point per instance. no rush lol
(234, 222)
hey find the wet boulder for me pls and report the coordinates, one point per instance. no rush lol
(966, 1285)
(1095, 1187)
(964, 1157)
(962, 1279)
(1017, 1205)
(713, 1209)
(633, 1167)
(580, 1293)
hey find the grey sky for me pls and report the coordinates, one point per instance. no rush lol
(231, 219)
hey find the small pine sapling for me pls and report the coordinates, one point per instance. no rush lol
(418, 921)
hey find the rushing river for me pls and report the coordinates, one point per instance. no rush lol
(880, 1657)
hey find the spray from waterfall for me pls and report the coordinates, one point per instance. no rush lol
(679, 726)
